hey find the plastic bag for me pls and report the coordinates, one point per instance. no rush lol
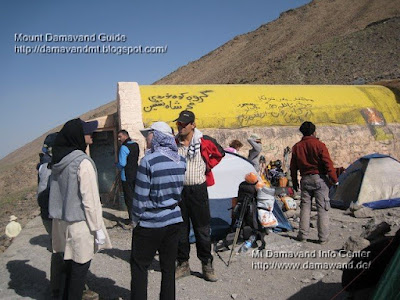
(266, 193)
(288, 202)
(267, 218)
(266, 198)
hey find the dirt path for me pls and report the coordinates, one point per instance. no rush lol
(25, 266)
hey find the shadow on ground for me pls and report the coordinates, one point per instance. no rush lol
(118, 253)
(30, 282)
(106, 287)
(126, 256)
(41, 240)
(320, 291)
(27, 281)
(112, 217)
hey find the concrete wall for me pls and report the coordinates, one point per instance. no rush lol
(345, 143)
(129, 105)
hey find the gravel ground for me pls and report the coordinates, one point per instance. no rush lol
(26, 263)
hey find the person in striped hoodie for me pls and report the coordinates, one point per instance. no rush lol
(156, 214)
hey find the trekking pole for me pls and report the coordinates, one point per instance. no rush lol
(115, 187)
(239, 225)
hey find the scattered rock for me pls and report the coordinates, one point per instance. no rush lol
(359, 81)
(5, 242)
(373, 231)
(290, 214)
(90, 295)
(234, 296)
(364, 212)
(317, 276)
(344, 226)
(109, 224)
(356, 243)
(348, 212)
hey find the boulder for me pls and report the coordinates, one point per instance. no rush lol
(373, 231)
(356, 243)
(364, 212)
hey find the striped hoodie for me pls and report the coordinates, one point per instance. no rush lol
(159, 184)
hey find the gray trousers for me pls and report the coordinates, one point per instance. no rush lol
(314, 186)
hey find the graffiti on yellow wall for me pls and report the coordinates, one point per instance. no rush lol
(236, 106)
(173, 101)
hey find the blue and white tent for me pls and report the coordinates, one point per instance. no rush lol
(372, 181)
(228, 174)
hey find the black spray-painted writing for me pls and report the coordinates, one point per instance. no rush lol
(287, 110)
(180, 101)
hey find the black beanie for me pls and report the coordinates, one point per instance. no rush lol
(307, 128)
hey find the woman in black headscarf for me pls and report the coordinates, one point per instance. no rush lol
(70, 138)
(75, 207)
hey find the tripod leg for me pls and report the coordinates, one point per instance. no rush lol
(239, 226)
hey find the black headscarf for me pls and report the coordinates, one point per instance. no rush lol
(70, 138)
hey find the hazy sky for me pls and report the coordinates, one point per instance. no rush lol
(39, 91)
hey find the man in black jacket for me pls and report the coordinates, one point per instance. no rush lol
(128, 164)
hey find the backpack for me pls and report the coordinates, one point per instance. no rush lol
(43, 190)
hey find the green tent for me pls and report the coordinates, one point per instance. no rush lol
(389, 284)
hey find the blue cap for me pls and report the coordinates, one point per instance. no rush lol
(89, 127)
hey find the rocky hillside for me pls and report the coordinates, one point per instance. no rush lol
(323, 42)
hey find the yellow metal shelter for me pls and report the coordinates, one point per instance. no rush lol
(236, 106)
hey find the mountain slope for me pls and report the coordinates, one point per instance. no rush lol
(262, 56)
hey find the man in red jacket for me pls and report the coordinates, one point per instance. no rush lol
(311, 157)
(202, 153)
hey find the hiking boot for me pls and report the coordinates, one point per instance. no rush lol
(208, 272)
(301, 238)
(323, 242)
(182, 270)
(129, 226)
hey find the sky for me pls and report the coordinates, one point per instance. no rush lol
(39, 91)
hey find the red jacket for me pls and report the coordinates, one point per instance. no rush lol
(212, 154)
(311, 156)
